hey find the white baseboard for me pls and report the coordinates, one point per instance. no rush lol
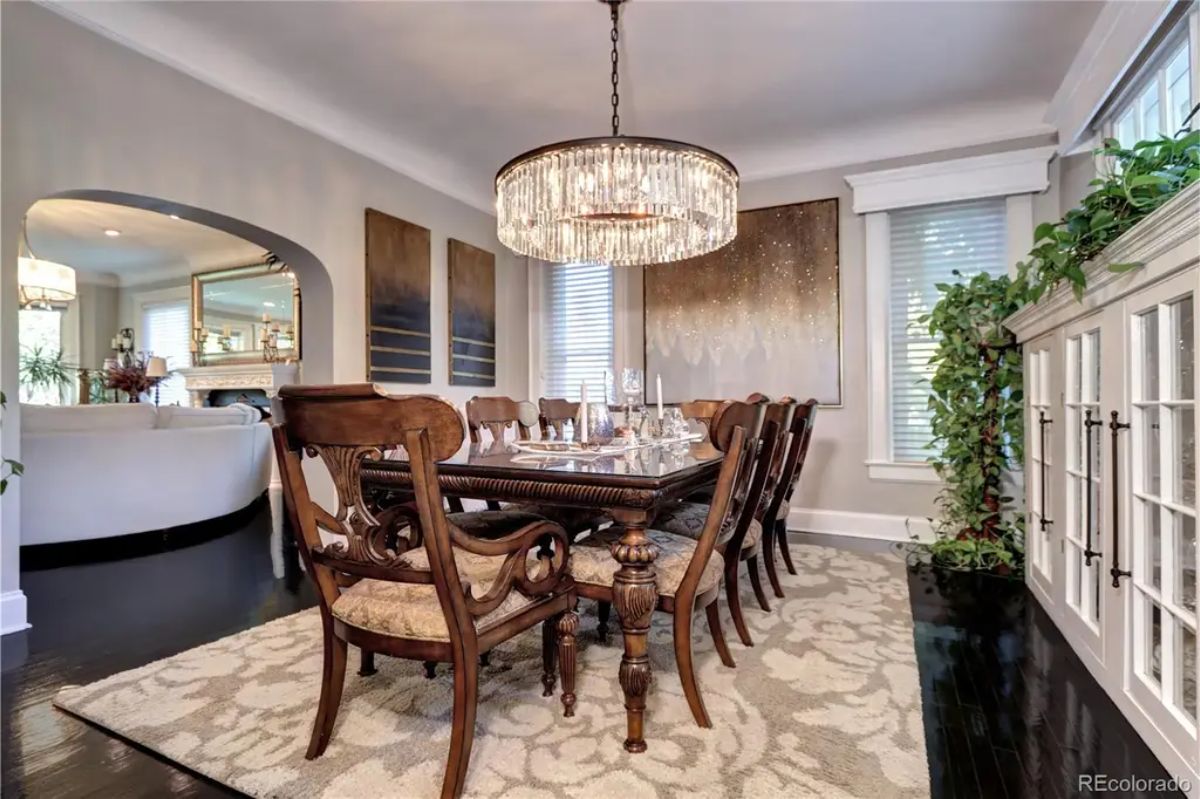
(12, 612)
(860, 525)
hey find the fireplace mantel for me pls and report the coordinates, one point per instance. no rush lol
(266, 377)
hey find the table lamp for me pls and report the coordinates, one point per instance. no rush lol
(156, 368)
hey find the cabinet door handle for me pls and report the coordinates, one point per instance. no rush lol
(1088, 424)
(1115, 427)
(1043, 522)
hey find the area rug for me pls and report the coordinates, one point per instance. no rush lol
(826, 704)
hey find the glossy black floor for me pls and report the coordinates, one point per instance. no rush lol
(1009, 711)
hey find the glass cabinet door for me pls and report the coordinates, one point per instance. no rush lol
(1083, 480)
(1040, 369)
(1161, 547)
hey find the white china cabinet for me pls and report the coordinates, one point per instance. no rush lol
(1111, 474)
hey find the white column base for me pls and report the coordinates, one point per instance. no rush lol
(12, 612)
(860, 525)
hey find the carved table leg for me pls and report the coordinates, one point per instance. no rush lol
(634, 596)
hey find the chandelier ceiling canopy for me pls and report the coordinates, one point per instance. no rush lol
(617, 200)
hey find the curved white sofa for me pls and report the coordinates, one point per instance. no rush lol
(94, 471)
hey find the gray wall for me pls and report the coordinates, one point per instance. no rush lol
(97, 323)
(81, 112)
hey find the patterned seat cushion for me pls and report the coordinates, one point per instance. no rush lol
(408, 610)
(573, 520)
(492, 523)
(687, 519)
(592, 563)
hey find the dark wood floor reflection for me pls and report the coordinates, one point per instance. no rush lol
(1009, 710)
(90, 621)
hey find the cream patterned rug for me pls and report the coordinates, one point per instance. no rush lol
(826, 704)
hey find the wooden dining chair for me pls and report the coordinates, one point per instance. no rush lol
(776, 514)
(553, 414)
(498, 414)
(425, 590)
(688, 571)
(781, 413)
(746, 542)
(701, 411)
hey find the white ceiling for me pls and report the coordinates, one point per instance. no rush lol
(151, 246)
(448, 91)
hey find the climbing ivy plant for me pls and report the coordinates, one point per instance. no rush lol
(977, 399)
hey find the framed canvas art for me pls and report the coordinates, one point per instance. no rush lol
(398, 324)
(761, 314)
(472, 274)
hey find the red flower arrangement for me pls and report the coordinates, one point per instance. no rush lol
(131, 379)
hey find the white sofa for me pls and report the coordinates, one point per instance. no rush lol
(94, 471)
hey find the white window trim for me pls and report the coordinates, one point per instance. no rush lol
(626, 345)
(1015, 175)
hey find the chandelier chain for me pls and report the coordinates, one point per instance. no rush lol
(614, 5)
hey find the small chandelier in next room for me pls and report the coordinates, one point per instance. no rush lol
(618, 200)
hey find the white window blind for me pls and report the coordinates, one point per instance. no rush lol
(927, 245)
(577, 333)
(166, 331)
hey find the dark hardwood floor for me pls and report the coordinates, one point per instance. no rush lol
(1009, 711)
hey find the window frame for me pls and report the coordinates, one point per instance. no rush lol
(1128, 99)
(540, 310)
(1015, 176)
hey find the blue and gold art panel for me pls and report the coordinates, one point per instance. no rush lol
(398, 316)
(472, 315)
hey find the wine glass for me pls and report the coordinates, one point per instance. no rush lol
(632, 385)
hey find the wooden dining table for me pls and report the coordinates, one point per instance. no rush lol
(631, 487)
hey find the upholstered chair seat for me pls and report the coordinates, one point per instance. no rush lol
(593, 564)
(413, 610)
(687, 519)
(785, 508)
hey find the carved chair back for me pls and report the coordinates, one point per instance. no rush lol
(750, 417)
(733, 427)
(781, 414)
(553, 414)
(803, 416)
(701, 411)
(349, 426)
(496, 414)
(758, 396)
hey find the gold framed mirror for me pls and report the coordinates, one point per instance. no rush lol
(246, 314)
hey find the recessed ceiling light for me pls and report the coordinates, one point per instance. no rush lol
(268, 303)
(112, 233)
(175, 216)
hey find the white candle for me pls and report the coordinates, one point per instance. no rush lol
(266, 317)
(583, 413)
(658, 387)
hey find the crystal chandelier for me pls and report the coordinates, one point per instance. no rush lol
(617, 200)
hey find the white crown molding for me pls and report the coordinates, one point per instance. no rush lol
(1119, 35)
(1164, 242)
(997, 175)
(852, 524)
(955, 129)
(144, 29)
(141, 27)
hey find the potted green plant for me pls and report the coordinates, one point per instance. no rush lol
(43, 369)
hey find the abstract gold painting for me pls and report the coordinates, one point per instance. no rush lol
(761, 314)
